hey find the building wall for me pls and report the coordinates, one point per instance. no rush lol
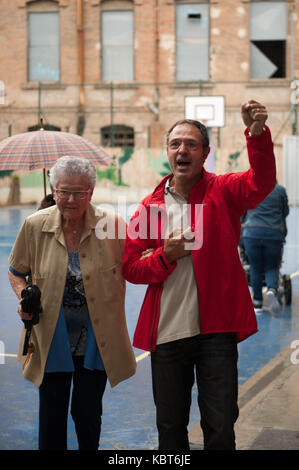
(154, 79)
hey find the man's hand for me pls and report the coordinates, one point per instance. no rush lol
(254, 116)
(176, 247)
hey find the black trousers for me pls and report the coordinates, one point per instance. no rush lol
(86, 407)
(213, 358)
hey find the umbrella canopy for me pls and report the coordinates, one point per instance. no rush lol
(41, 149)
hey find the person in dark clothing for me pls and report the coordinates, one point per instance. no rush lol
(47, 201)
(264, 233)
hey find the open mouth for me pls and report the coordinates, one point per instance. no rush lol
(182, 164)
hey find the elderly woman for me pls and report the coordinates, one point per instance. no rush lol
(82, 336)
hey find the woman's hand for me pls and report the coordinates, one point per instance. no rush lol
(18, 283)
(23, 315)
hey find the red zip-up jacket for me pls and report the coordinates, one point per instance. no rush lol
(224, 297)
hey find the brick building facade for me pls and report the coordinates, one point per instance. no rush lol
(118, 71)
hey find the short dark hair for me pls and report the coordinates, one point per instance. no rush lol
(192, 122)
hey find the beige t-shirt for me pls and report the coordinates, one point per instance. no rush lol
(179, 307)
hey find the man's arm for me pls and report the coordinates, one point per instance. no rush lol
(245, 190)
(143, 265)
(144, 260)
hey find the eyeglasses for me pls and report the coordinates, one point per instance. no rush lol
(190, 144)
(78, 195)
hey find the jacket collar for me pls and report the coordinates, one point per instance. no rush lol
(53, 221)
(157, 196)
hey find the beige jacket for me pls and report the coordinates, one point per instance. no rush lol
(40, 248)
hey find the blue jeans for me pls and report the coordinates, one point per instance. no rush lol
(213, 357)
(264, 257)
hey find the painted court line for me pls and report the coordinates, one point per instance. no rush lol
(296, 273)
(142, 356)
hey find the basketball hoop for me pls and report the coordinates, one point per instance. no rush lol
(207, 109)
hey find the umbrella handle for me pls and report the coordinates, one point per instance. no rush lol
(45, 182)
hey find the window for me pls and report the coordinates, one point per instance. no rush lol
(43, 46)
(117, 45)
(268, 33)
(117, 136)
(192, 41)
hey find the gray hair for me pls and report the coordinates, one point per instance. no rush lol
(192, 122)
(73, 166)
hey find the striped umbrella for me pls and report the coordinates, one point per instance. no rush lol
(41, 149)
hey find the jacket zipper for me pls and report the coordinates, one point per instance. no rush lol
(158, 294)
(193, 225)
(155, 317)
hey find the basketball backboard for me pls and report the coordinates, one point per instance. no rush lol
(208, 109)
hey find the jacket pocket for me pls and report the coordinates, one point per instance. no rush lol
(112, 282)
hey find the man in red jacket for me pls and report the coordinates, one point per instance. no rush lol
(183, 242)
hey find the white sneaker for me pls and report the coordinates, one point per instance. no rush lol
(258, 311)
(272, 300)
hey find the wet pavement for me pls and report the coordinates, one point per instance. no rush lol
(266, 373)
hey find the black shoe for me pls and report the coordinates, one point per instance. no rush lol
(258, 306)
